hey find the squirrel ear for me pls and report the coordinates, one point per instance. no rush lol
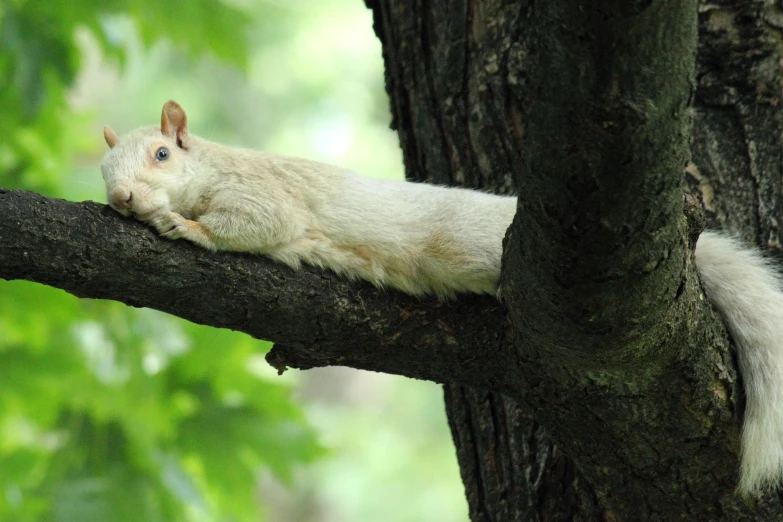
(110, 137)
(174, 122)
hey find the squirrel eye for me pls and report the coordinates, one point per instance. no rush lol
(162, 154)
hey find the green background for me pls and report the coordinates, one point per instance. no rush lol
(109, 413)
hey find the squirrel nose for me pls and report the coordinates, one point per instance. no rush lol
(120, 198)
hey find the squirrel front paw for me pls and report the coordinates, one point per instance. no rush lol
(171, 225)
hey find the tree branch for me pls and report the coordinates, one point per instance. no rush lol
(606, 141)
(315, 317)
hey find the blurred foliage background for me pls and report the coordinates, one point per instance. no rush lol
(109, 413)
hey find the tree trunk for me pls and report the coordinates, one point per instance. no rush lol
(475, 89)
(606, 389)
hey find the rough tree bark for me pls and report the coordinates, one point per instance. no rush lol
(483, 92)
(607, 347)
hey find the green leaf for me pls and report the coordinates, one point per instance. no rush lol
(198, 26)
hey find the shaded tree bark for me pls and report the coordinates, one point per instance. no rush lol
(86, 250)
(476, 90)
(607, 391)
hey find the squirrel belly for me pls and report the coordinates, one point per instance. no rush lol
(418, 238)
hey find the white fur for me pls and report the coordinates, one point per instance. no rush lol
(747, 291)
(417, 238)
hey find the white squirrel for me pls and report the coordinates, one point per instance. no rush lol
(418, 238)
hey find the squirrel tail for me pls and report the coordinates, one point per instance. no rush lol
(748, 292)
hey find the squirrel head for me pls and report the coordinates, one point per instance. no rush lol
(145, 172)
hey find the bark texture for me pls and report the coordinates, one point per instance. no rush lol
(585, 109)
(607, 349)
(314, 317)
